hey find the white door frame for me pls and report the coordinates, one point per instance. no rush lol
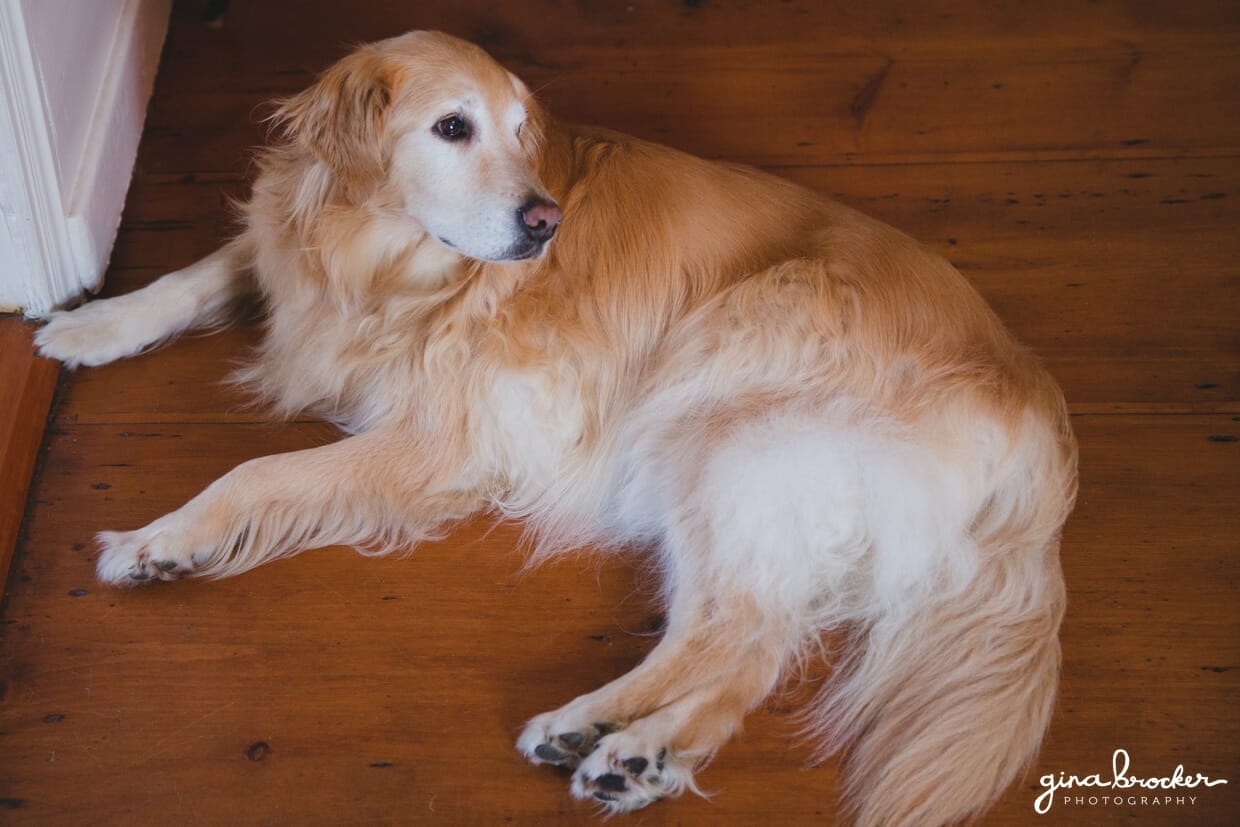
(56, 235)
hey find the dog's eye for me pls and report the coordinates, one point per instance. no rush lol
(452, 128)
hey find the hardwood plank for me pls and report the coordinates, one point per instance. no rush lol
(807, 83)
(426, 666)
(1122, 275)
(950, 27)
(184, 381)
(27, 384)
(766, 105)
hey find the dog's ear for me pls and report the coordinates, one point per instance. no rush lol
(341, 119)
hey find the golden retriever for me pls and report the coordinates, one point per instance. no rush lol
(809, 421)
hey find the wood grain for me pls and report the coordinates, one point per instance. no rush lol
(798, 82)
(1080, 162)
(27, 384)
(818, 108)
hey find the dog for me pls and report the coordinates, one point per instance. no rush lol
(811, 423)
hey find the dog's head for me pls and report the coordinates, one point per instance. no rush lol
(439, 126)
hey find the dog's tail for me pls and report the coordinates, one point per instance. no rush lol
(103, 331)
(942, 704)
(941, 710)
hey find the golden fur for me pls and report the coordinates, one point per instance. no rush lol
(809, 420)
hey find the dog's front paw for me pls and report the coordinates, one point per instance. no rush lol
(94, 334)
(130, 558)
(80, 337)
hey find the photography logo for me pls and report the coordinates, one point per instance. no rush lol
(1119, 789)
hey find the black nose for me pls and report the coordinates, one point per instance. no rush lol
(540, 218)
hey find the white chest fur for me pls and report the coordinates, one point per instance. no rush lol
(528, 421)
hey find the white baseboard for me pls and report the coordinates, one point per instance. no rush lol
(53, 245)
(38, 256)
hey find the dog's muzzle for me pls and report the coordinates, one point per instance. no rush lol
(540, 218)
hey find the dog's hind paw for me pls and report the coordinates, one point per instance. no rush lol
(630, 769)
(543, 742)
(624, 768)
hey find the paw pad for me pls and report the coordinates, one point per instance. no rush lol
(569, 748)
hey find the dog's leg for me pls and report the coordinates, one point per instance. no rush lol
(728, 639)
(110, 329)
(655, 756)
(641, 737)
(761, 551)
(374, 489)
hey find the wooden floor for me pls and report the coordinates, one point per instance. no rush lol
(1079, 161)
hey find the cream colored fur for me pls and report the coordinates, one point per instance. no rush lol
(809, 421)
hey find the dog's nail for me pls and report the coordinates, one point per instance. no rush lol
(572, 739)
(636, 766)
(612, 782)
(139, 575)
(604, 797)
(166, 565)
(549, 753)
